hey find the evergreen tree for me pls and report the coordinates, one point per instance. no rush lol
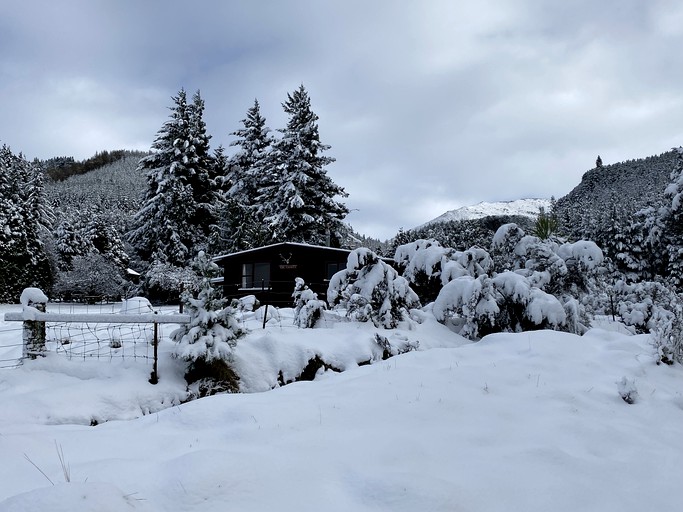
(170, 223)
(369, 289)
(203, 170)
(643, 256)
(24, 217)
(69, 242)
(105, 239)
(207, 343)
(248, 167)
(598, 162)
(239, 216)
(672, 218)
(301, 204)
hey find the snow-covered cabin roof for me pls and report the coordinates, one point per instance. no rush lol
(280, 244)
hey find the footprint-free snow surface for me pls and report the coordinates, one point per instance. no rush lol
(515, 422)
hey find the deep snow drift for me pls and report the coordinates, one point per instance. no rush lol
(530, 421)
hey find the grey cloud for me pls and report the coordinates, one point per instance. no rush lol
(426, 105)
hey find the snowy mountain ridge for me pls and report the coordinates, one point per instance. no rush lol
(522, 207)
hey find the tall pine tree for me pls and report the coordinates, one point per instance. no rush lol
(239, 223)
(673, 222)
(301, 205)
(24, 218)
(248, 167)
(172, 224)
(202, 169)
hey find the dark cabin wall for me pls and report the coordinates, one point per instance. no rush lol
(286, 262)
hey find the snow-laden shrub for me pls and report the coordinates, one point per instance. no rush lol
(570, 272)
(428, 266)
(503, 246)
(506, 302)
(422, 263)
(165, 282)
(475, 260)
(207, 343)
(91, 275)
(307, 307)
(652, 307)
(369, 289)
(470, 299)
(541, 256)
(584, 254)
(524, 307)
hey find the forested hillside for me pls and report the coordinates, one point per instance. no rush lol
(461, 234)
(613, 193)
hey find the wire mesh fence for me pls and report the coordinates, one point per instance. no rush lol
(11, 345)
(86, 332)
(101, 340)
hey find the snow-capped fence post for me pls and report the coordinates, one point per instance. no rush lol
(33, 299)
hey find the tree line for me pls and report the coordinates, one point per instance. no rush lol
(272, 187)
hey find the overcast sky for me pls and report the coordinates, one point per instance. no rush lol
(428, 105)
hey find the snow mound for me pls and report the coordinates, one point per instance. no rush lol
(77, 497)
(32, 296)
(136, 305)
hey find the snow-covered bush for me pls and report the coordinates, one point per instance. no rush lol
(568, 271)
(652, 307)
(369, 289)
(165, 282)
(475, 260)
(307, 307)
(503, 246)
(472, 300)
(507, 302)
(91, 275)
(208, 341)
(421, 263)
(428, 266)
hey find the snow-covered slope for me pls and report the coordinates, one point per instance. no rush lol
(530, 421)
(523, 207)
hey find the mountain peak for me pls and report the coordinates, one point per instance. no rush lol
(523, 207)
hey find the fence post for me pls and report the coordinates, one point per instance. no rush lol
(34, 331)
(154, 378)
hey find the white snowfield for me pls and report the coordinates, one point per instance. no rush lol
(516, 422)
(522, 207)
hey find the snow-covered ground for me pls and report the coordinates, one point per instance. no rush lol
(530, 421)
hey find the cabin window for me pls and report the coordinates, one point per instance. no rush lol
(255, 275)
(332, 268)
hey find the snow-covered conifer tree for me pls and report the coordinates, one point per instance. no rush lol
(302, 201)
(69, 242)
(370, 289)
(24, 218)
(248, 167)
(673, 221)
(166, 223)
(202, 175)
(208, 341)
(643, 243)
(239, 224)
(503, 246)
(307, 307)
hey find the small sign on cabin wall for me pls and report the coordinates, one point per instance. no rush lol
(285, 262)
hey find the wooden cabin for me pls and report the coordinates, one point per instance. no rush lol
(269, 272)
